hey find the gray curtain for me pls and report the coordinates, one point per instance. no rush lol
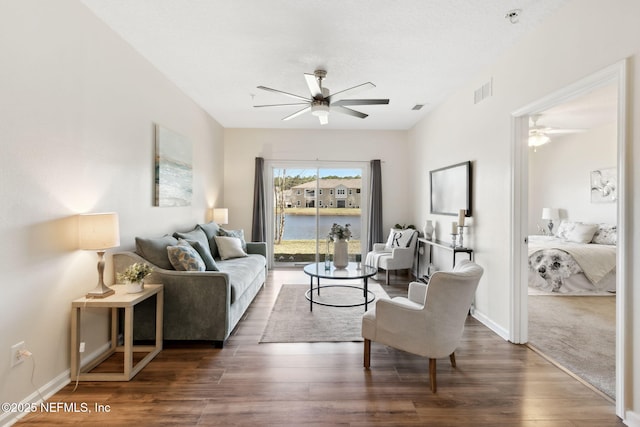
(375, 208)
(258, 224)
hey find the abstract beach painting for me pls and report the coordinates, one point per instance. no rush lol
(174, 169)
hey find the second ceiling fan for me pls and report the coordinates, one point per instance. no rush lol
(321, 101)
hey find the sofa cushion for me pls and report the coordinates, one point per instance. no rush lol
(154, 250)
(184, 257)
(211, 230)
(234, 233)
(230, 247)
(198, 239)
(242, 272)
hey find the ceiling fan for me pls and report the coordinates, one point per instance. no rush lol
(322, 102)
(539, 135)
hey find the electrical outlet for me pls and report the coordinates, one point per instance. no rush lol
(81, 349)
(17, 356)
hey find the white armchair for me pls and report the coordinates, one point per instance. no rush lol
(396, 254)
(430, 321)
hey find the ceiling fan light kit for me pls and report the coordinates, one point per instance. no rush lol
(322, 102)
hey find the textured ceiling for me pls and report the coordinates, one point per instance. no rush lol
(414, 51)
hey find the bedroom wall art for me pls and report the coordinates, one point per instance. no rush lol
(451, 189)
(174, 169)
(604, 185)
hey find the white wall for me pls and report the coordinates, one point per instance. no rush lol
(242, 146)
(583, 37)
(560, 172)
(77, 109)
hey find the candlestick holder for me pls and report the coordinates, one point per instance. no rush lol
(461, 233)
(453, 240)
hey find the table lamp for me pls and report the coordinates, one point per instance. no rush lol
(221, 215)
(99, 232)
(550, 214)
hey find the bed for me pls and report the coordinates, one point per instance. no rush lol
(580, 259)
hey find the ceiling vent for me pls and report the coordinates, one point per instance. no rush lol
(483, 92)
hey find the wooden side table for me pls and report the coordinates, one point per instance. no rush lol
(126, 301)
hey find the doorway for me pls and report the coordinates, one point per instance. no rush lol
(616, 75)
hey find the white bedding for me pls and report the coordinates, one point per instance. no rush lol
(552, 261)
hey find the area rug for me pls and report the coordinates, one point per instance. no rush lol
(579, 333)
(292, 321)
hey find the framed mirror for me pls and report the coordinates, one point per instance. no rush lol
(451, 189)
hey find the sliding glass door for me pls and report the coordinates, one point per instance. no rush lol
(307, 200)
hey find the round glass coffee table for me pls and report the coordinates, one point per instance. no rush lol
(318, 271)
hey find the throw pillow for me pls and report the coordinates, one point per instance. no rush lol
(582, 233)
(606, 234)
(234, 233)
(229, 247)
(154, 250)
(185, 258)
(211, 230)
(198, 240)
(400, 238)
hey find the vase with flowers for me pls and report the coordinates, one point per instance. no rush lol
(340, 235)
(133, 277)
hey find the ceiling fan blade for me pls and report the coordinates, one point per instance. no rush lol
(312, 83)
(348, 111)
(284, 93)
(280, 105)
(351, 91)
(563, 131)
(298, 113)
(360, 102)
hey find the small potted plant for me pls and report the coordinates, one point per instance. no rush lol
(134, 276)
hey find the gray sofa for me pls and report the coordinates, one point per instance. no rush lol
(198, 305)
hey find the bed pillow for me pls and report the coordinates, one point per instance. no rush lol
(229, 247)
(183, 257)
(565, 228)
(582, 233)
(606, 234)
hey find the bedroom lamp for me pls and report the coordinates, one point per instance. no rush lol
(550, 214)
(99, 232)
(221, 215)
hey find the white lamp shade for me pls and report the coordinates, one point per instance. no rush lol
(550, 213)
(221, 215)
(98, 231)
(538, 139)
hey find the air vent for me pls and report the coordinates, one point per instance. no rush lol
(417, 107)
(483, 92)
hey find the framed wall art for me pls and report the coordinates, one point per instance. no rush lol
(451, 189)
(604, 185)
(173, 169)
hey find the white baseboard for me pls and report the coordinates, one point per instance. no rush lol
(482, 318)
(49, 389)
(632, 419)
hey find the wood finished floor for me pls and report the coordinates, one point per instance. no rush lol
(324, 384)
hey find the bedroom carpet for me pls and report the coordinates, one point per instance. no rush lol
(579, 333)
(291, 321)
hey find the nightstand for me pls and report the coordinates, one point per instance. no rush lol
(119, 300)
